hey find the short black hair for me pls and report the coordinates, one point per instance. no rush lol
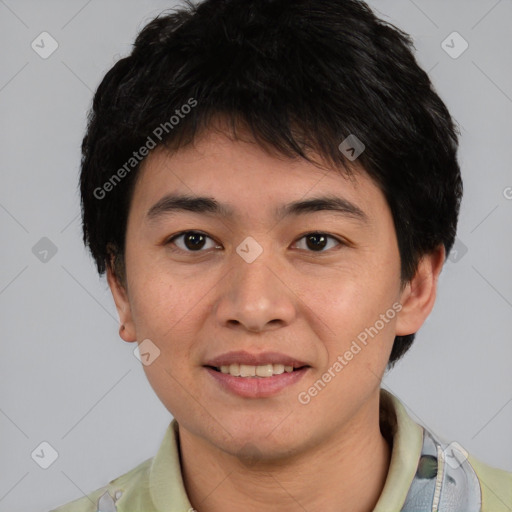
(301, 76)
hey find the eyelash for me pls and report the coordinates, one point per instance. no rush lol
(182, 233)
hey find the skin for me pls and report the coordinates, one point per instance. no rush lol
(268, 453)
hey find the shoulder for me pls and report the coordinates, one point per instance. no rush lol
(131, 487)
(495, 485)
(449, 479)
(155, 484)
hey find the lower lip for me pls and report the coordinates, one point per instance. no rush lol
(257, 387)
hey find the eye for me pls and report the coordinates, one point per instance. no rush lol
(196, 241)
(317, 241)
(193, 241)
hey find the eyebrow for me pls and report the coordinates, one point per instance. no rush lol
(172, 203)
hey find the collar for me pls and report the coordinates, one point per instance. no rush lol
(425, 474)
(407, 439)
(166, 484)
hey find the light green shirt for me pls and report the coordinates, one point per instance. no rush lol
(424, 475)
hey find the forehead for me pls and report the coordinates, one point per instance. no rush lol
(242, 178)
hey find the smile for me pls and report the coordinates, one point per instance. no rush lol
(247, 370)
(250, 385)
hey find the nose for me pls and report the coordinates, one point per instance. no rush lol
(255, 296)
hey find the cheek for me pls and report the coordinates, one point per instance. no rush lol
(164, 313)
(169, 385)
(158, 303)
(358, 309)
(351, 299)
(169, 310)
(367, 332)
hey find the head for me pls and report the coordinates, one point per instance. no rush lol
(247, 103)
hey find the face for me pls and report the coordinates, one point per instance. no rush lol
(256, 275)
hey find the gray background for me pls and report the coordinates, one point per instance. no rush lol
(66, 376)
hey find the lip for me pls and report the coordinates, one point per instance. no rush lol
(243, 357)
(256, 387)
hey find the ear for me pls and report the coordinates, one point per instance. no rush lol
(419, 294)
(120, 295)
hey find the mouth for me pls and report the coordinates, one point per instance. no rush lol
(255, 375)
(264, 371)
(255, 381)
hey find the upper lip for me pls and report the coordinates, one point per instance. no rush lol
(262, 358)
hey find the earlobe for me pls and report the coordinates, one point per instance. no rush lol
(419, 295)
(120, 296)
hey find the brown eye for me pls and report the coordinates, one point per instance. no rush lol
(317, 241)
(192, 241)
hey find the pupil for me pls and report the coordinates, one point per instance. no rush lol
(317, 238)
(191, 240)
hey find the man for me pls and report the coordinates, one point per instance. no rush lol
(272, 189)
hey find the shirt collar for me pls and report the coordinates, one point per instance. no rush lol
(165, 478)
(405, 454)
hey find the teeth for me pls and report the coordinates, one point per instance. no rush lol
(233, 369)
(247, 370)
(279, 368)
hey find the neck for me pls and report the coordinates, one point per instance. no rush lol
(345, 473)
